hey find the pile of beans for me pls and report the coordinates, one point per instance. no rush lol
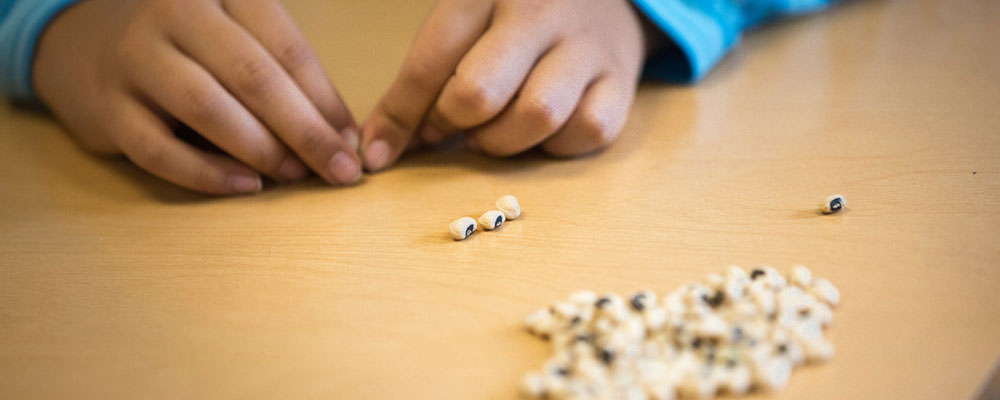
(730, 334)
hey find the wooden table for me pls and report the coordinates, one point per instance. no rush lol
(114, 284)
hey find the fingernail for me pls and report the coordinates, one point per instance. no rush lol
(292, 169)
(472, 144)
(244, 184)
(430, 135)
(351, 137)
(377, 154)
(343, 168)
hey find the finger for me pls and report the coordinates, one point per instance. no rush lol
(551, 93)
(488, 77)
(598, 120)
(448, 32)
(147, 141)
(268, 21)
(244, 67)
(436, 128)
(194, 97)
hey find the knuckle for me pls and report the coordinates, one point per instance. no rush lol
(254, 76)
(596, 129)
(97, 137)
(200, 104)
(97, 145)
(208, 179)
(168, 10)
(419, 75)
(562, 149)
(502, 147)
(144, 153)
(532, 11)
(591, 131)
(295, 55)
(472, 99)
(396, 117)
(313, 138)
(542, 114)
(268, 159)
(95, 141)
(132, 43)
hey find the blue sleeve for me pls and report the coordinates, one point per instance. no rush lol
(705, 30)
(21, 22)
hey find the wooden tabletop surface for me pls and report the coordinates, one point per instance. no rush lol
(114, 284)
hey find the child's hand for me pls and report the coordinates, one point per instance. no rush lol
(122, 73)
(514, 74)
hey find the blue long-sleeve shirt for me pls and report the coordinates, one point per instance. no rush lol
(21, 23)
(703, 31)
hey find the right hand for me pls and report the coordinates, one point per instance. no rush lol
(121, 73)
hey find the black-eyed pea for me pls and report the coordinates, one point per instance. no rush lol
(642, 300)
(560, 365)
(591, 368)
(764, 299)
(793, 299)
(735, 283)
(774, 278)
(712, 326)
(583, 298)
(658, 389)
(540, 323)
(773, 374)
(565, 312)
(612, 306)
(533, 386)
(801, 276)
(634, 327)
(738, 380)
(509, 206)
(824, 290)
(603, 326)
(491, 220)
(697, 294)
(673, 302)
(796, 352)
(462, 228)
(715, 281)
(822, 313)
(833, 204)
(819, 350)
(655, 318)
(557, 387)
(607, 301)
(698, 384)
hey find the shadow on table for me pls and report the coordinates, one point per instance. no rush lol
(448, 155)
(443, 157)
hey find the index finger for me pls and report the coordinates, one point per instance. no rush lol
(446, 35)
(271, 24)
(244, 66)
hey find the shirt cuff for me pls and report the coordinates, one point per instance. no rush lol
(702, 41)
(19, 32)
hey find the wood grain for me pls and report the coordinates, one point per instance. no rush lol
(116, 285)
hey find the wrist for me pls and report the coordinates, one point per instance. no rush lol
(654, 40)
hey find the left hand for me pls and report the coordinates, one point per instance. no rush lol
(513, 74)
